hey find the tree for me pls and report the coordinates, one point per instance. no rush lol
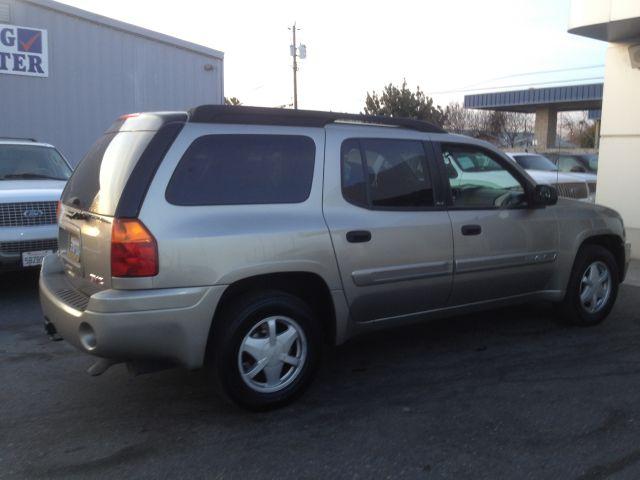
(232, 101)
(515, 127)
(458, 119)
(579, 130)
(402, 102)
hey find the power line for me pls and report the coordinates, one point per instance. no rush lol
(538, 72)
(517, 85)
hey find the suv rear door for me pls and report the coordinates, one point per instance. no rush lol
(392, 239)
(110, 181)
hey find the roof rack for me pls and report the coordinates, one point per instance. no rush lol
(19, 138)
(297, 118)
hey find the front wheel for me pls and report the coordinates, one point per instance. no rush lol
(265, 349)
(593, 287)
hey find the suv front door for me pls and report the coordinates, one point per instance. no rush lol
(392, 240)
(502, 246)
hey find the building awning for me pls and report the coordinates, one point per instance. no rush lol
(566, 98)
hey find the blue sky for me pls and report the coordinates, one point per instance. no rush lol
(444, 46)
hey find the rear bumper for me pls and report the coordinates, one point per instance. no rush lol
(128, 325)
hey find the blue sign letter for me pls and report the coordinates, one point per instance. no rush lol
(7, 37)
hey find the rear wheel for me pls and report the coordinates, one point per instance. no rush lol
(265, 349)
(592, 289)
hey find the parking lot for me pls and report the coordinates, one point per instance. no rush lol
(505, 394)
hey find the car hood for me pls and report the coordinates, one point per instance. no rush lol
(587, 177)
(551, 178)
(30, 190)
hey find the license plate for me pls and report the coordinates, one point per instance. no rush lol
(73, 252)
(34, 259)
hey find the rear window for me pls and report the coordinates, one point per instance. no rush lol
(244, 169)
(32, 162)
(98, 181)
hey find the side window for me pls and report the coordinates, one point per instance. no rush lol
(244, 169)
(392, 174)
(354, 188)
(480, 181)
(569, 164)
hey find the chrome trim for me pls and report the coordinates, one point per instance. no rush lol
(504, 261)
(377, 276)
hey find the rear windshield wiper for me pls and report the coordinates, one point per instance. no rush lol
(29, 175)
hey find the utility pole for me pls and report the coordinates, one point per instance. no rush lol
(294, 53)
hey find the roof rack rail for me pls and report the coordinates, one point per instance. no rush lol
(298, 118)
(18, 138)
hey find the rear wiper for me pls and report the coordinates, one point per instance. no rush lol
(29, 175)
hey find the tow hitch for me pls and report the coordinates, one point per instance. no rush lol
(50, 330)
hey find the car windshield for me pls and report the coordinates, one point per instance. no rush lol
(535, 162)
(591, 162)
(32, 162)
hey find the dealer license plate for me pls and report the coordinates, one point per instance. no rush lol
(73, 252)
(34, 259)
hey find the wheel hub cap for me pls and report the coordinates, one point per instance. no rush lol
(272, 354)
(595, 287)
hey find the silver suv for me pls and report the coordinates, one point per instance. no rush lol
(243, 238)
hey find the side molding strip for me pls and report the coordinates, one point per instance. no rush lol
(415, 271)
(504, 261)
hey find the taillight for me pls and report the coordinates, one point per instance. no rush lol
(134, 251)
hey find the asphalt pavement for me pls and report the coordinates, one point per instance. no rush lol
(503, 394)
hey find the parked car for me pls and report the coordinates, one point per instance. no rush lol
(575, 162)
(32, 176)
(571, 185)
(241, 238)
(583, 165)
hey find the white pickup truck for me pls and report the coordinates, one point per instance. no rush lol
(32, 176)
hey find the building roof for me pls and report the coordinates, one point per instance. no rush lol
(126, 27)
(566, 98)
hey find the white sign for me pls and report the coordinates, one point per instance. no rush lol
(23, 51)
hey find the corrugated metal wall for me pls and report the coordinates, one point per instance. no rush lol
(97, 73)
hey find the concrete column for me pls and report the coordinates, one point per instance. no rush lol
(545, 127)
(619, 161)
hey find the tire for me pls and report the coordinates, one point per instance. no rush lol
(574, 309)
(245, 327)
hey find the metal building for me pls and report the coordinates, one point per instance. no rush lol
(66, 74)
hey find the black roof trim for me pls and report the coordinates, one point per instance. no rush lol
(23, 139)
(297, 118)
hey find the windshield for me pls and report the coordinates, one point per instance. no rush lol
(535, 162)
(32, 162)
(591, 162)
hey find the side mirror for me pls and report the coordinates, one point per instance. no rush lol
(545, 195)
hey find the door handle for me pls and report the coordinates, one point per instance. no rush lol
(471, 229)
(358, 236)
